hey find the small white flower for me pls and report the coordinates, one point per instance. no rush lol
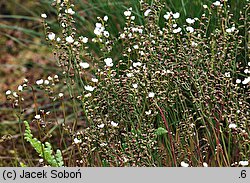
(105, 18)
(20, 88)
(51, 36)
(205, 164)
(103, 144)
(176, 15)
(136, 64)
(60, 95)
(8, 92)
(84, 39)
(227, 74)
(216, 3)
(190, 20)
(69, 39)
(151, 94)
(146, 13)
(50, 78)
(88, 95)
(238, 81)
(135, 85)
(122, 36)
(43, 15)
(175, 25)
(248, 63)
(46, 82)
(15, 94)
(40, 160)
(230, 30)
(94, 80)
(243, 163)
(194, 44)
(136, 47)
(38, 116)
(232, 125)
(76, 141)
(84, 65)
(132, 17)
(106, 33)
(89, 88)
(114, 124)
(129, 75)
(190, 29)
(205, 6)
(183, 164)
(246, 80)
(127, 13)
(246, 71)
(148, 112)
(167, 15)
(58, 39)
(101, 125)
(70, 11)
(177, 30)
(39, 82)
(109, 62)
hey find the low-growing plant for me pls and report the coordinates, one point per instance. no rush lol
(171, 95)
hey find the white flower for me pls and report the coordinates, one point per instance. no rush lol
(55, 76)
(20, 88)
(176, 15)
(146, 13)
(43, 15)
(175, 25)
(39, 82)
(46, 82)
(148, 112)
(151, 94)
(167, 15)
(136, 47)
(135, 85)
(76, 141)
(183, 164)
(69, 39)
(60, 95)
(227, 74)
(106, 33)
(15, 94)
(94, 80)
(246, 71)
(58, 39)
(122, 36)
(114, 124)
(88, 95)
(205, 6)
(194, 44)
(105, 18)
(8, 92)
(238, 81)
(243, 163)
(190, 20)
(89, 88)
(84, 39)
(127, 13)
(135, 64)
(70, 11)
(40, 160)
(205, 164)
(177, 30)
(51, 36)
(109, 62)
(103, 144)
(132, 17)
(37, 116)
(129, 75)
(84, 65)
(216, 3)
(248, 63)
(232, 125)
(230, 30)
(246, 80)
(190, 29)
(100, 126)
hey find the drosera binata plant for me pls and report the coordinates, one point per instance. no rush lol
(175, 96)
